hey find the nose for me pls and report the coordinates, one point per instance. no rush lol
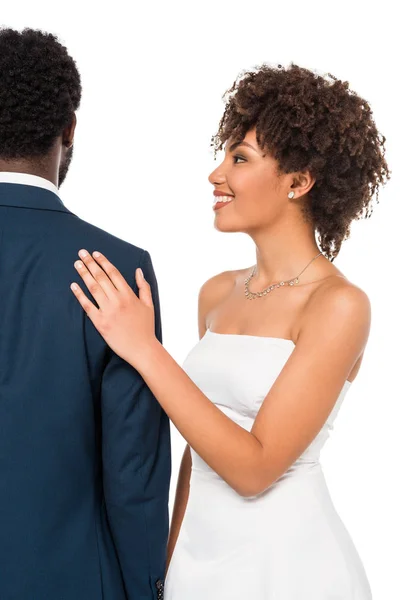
(217, 177)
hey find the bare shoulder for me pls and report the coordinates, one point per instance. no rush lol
(213, 291)
(339, 306)
(341, 292)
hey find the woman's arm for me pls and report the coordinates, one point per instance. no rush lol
(180, 502)
(332, 337)
(295, 408)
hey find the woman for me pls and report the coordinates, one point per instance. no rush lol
(280, 344)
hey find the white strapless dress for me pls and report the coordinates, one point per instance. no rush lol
(287, 543)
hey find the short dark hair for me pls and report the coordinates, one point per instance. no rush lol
(40, 89)
(312, 122)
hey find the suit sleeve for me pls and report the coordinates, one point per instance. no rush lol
(136, 468)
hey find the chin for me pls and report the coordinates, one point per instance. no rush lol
(227, 228)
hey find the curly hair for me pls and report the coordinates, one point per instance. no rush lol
(314, 123)
(40, 89)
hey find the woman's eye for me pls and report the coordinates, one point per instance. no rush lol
(236, 158)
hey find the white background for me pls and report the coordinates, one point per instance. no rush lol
(153, 75)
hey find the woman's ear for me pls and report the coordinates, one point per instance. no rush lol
(302, 183)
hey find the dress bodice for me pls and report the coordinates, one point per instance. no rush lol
(236, 372)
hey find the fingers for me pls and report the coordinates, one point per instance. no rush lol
(88, 306)
(93, 275)
(105, 282)
(114, 275)
(145, 294)
(92, 284)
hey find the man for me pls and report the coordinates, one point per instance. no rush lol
(84, 445)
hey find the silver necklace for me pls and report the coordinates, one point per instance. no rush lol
(251, 295)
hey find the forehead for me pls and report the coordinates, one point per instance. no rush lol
(250, 138)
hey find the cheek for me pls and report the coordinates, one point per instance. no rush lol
(258, 200)
(243, 182)
(253, 188)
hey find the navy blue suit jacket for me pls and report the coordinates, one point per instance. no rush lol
(84, 445)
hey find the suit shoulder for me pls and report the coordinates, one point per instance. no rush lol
(107, 242)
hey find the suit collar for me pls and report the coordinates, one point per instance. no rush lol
(21, 190)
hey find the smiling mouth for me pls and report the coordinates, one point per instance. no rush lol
(220, 201)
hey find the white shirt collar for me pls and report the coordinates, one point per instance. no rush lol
(28, 179)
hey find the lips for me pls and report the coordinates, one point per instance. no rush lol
(221, 201)
(221, 193)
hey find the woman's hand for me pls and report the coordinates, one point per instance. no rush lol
(125, 320)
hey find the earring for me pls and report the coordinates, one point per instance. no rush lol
(291, 194)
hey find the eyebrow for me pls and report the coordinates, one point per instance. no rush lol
(242, 143)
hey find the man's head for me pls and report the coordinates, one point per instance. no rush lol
(40, 90)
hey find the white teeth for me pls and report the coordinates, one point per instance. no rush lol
(222, 199)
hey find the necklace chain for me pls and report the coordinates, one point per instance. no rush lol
(251, 295)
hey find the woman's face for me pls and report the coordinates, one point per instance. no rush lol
(259, 193)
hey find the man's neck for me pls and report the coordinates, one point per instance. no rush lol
(30, 168)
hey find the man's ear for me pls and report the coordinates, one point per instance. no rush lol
(69, 132)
